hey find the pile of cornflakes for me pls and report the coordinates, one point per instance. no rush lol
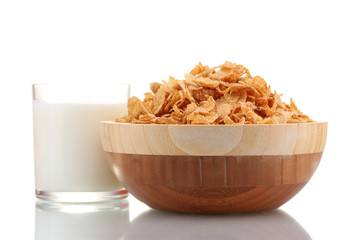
(225, 94)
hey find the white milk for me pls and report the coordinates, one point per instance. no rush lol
(68, 151)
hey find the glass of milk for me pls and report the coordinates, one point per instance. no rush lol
(70, 164)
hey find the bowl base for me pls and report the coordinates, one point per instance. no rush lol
(214, 200)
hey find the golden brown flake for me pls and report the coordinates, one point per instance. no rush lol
(226, 94)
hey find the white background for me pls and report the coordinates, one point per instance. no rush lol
(308, 50)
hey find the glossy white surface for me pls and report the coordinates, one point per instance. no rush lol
(301, 218)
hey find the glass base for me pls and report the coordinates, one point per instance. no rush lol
(115, 205)
(81, 197)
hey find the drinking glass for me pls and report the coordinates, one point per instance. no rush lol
(70, 164)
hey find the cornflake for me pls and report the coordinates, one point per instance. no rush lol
(226, 94)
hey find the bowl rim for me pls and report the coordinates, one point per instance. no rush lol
(215, 125)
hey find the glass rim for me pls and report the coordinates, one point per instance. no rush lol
(76, 84)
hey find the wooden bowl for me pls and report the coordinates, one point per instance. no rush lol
(213, 168)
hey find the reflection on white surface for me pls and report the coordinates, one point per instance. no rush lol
(80, 221)
(158, 225)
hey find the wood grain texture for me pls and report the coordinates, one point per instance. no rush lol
(214, 140)
(213, 184)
